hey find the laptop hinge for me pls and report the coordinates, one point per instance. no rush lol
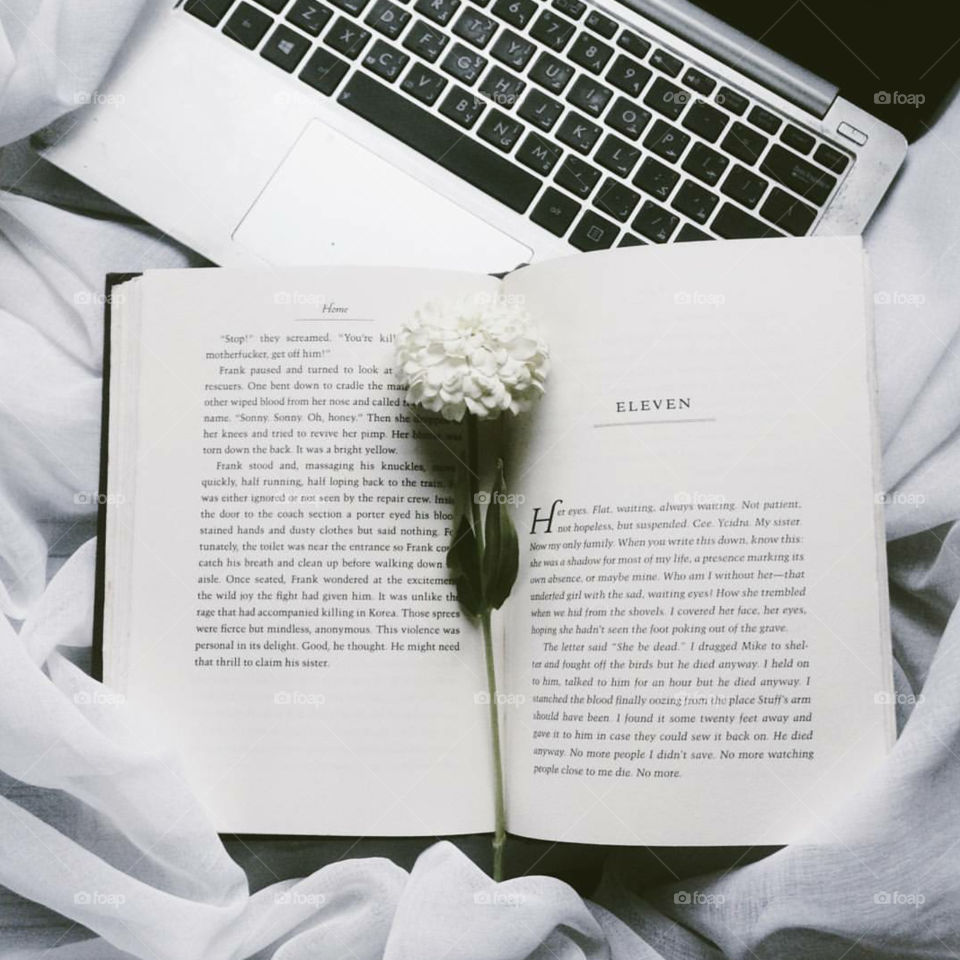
(791, 81)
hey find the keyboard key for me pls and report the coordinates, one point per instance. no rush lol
(515, 51)
(764, 119)
(502, 88)
(744, 185)
(578, 132)
(463, 63)
(572, 8)
(351, 6)
(633, 43)
(627, 118)
(744, 143)
(616, 199)
(731, 100)
(275, 6)
(577, 176)
(705, 121)
(798, 174)
(551, 73)
(705, 164)
(600, 24)
(555, 211)
(698, 81)
(629, 240)
(830, 158)
(209, 11)
(666, 141)
(655, 223)
(689, 232)
(551, 30)
(695, 201)
(590, 53)
(538, 154)
(656, 179)
(247, 25)
(589, 96)
(500, 130)
(324, 71)
(798, 139)
(461, 107)
(422, 83)
(285, 48)
(617, 155)
(594, 232)
(425, 40)
(515, 12)
(387, 18)
(666, 62)
(347, 38)
(666, 98)
(439, 11)
(628, 75)
(733, 224)
(393, 113)
(540, 110)
(385, 61)
(788, 213)
(310, 17)
(475, 27)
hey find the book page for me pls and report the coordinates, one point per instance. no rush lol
(696, 648)
(282, 607)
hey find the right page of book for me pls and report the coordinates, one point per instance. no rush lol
(697, 647)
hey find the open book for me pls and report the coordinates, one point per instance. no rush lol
(696, 650)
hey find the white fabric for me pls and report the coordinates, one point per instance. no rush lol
(96, 824)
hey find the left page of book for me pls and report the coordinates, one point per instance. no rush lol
(276, 589)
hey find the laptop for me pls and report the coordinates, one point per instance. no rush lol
(470, 134)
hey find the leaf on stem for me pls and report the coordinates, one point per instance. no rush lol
(501, 555)
(464, 567)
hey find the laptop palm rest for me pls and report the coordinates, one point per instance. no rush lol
(308, 215)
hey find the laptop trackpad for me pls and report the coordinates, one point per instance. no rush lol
(333, 201)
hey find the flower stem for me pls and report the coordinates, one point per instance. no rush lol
(500, 830)
(500, 827)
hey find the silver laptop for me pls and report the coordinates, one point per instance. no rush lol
(471, 134)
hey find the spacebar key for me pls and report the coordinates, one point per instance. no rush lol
(439, 141)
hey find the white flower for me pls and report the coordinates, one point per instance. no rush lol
(474, 354)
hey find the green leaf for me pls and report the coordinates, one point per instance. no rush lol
(464, 566)
(501, 557)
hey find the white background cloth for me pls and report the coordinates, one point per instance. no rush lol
(97, 827)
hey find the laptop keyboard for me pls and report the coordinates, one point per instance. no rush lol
(555, 110)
